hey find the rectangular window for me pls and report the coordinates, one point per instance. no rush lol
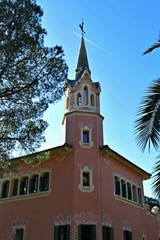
(139, 196)
(5, 189)
(117, 185)
(86, 232)
(85, 136)
(127, 235)
(62, 232)
(19, 234)
(129, 191)
(123, 185)
(44, 182)
(107, 233)
(86, 179)
(15, 187)
(24, 186)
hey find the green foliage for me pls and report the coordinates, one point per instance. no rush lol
(147, 124)
(151, 202)
(31, 77)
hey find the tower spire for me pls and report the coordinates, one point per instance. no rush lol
(82, 63)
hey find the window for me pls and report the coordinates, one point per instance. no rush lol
(44, 182)
(86, 179)
(129, 191)
(123, 185)
(85, 136)
(62, 232)
(86, 232)
(79, 99)
(107, 233)
(127, 235)
(19, 234)
(139, 196)
(117, 185)
(5, 189)
(134, 193)
(24, 186)
(15, 187)
(85, 95)
(92, 100)
(34, 184)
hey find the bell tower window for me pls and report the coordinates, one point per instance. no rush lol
(92, 100)
(85, 95)
(79, 99)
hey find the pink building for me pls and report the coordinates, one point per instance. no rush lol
(84, 190)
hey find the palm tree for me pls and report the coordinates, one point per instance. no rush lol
(147, 123)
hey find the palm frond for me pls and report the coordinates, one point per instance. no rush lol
(147, 123)
(156, 178)
(154, 46)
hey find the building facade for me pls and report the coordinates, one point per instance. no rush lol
(84, 190)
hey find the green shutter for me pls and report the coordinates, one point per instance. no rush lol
(124, 235)
(104, 232)
(55, 233)
(112, 234)
(80, 232)
(68, 232)
(19, 234)
(94, 232)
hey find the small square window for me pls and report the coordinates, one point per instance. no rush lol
(85, 136)
(86, 179)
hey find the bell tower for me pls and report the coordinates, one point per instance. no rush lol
(82, 119)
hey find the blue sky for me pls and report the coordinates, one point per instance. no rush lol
(120, 31)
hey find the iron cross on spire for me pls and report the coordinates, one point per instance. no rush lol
(82, 28)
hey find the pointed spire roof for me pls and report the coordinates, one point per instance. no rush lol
(82, 62)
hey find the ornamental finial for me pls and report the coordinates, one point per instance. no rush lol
(82, 28)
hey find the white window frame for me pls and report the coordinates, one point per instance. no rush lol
(89, 188)
(90, 143)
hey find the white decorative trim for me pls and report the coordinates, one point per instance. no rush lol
(106, 220)
(107, 162)
(88, 128)
(17, 224)
(86, 218)
(144, 236)
(87, 169)
(63, 219)
(126, 225)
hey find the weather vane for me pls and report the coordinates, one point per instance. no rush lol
(82, 28)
